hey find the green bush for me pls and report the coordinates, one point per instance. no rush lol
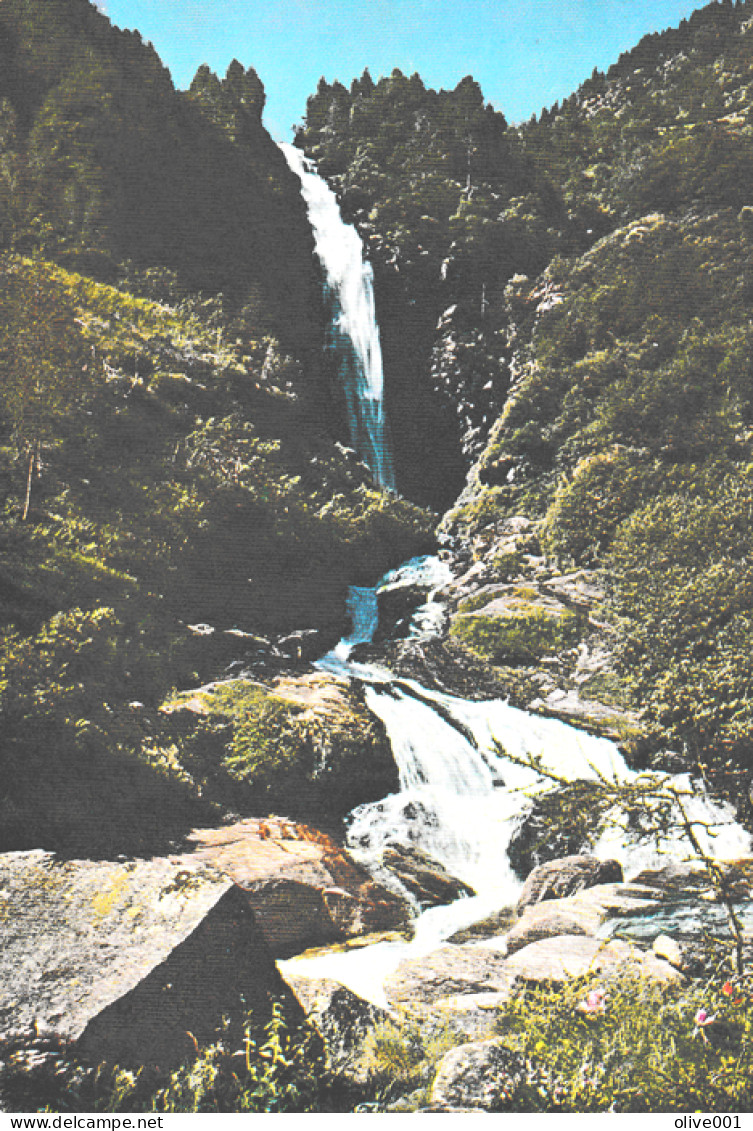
(629, 1045)
(587, 510)
(277, 1069)
(681, 587)
(262, 752)
(517, 639)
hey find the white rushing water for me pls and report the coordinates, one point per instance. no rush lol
(462, 798)
(354, 334)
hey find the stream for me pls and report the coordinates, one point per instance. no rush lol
(461, 798)
(461, 795)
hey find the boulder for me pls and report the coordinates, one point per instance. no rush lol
(583, 913)
(133, 962)
(490, 927)
(342, 1019)
(572, 956)
(677, 879)
(446, 972)
(559, 823)
(483, 1074)
(306, 644)
(397, 603)
(472, 1014)
(426, 879)
(566, 876)
(552, 918)
(304, 889)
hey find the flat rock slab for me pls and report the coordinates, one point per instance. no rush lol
(446, 972)
(581, 914)
(620, 899)
(572, 956)
(472, 1014)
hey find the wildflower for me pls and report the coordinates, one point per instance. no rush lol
(702, 1019)
(595, 1002)
(728, 990)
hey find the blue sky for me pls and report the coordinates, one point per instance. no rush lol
(526, 54)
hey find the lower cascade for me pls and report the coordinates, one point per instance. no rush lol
(464, 793)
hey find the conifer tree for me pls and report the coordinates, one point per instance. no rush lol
(46, 368)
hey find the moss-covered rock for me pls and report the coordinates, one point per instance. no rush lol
(304, 745)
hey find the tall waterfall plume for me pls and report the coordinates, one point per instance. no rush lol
(353, 335)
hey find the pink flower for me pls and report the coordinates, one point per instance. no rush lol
(702, 1019)
(595, 1002)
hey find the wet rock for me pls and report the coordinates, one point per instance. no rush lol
(305, 644)
(426, 879)
(571, 707)
(561, 822)
(128, 960)
(344, 1022)
(566, 876)
(304, 889)
(489, 927)
(484, 1074)
(552, 918)
(446, 972)
(670, 950)
(397, 604)
(441, 665)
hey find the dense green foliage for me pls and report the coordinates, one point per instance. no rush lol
(259, 750)
(516, 638)
(155, 503)
(103, 162)
(275, 1070)
(640, 1048)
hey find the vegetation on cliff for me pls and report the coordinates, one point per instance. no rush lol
(159, 467)
(108, 169)
(585, 282)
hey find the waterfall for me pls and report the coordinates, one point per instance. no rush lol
(353, 335)
(461, 797)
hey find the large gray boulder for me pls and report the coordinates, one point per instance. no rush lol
(563, 957)
(483, 1074)
(549, 919)
(566, 876)
(134, 962)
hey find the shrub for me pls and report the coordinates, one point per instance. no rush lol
(516, 639)
(682, 588)
(628, 1045)
(276, 1070)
